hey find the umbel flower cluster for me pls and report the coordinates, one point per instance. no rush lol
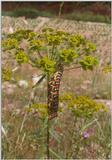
(49, 48)
(80, 106)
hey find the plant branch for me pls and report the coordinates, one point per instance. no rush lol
(60, 9)
(40, 54)
(48, 135)
(67, 69)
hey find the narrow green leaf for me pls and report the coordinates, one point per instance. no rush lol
(55, 154)
(56, 137)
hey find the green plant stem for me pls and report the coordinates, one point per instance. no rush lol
(53, 49)
(21, 128)
(48, 137)
(48, 122)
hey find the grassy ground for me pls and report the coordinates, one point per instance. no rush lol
(24, 134)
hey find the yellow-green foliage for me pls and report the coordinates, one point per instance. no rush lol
(51, 48)
(90, 47)
(21, 57)
(54, 40)
(68, 55)
(107, 69)
(6, 74)
(36, 44)
(82, 106)
(54, 37)
(76, 40)
(88, 62)
(46, 64)
(21, 34)
(41, 108)
(9, 43)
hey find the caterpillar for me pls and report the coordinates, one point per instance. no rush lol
(53, 93)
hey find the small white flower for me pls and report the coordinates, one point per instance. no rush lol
(3, 131)
(23, 83)
(61, 104)
(11, 30)
(17, 111)
(15, 69)
(8, 88)
(109, 103)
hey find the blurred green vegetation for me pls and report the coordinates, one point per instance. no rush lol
(33, 13)
(87, 16)
(27, 12)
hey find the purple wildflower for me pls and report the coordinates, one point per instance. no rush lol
(86, 135)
